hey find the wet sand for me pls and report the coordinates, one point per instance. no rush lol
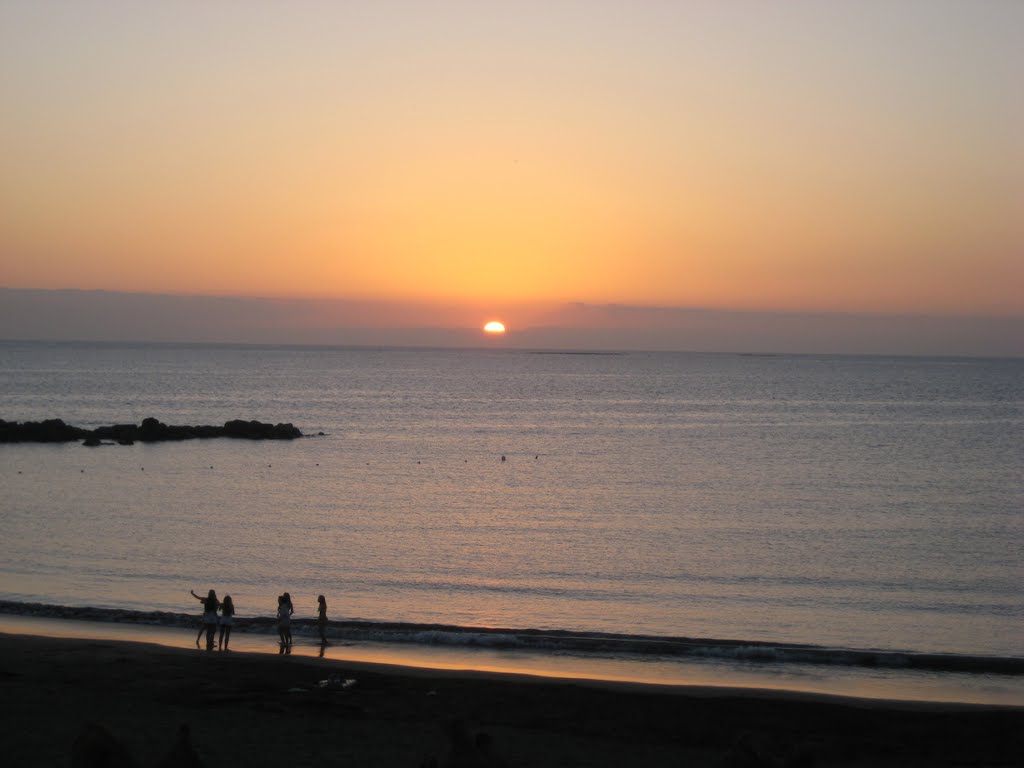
(255, 709)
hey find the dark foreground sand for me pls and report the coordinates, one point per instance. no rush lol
(247, 710)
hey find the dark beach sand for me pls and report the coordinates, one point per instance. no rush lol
(243, 709)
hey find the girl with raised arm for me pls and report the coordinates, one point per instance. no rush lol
(210, 606)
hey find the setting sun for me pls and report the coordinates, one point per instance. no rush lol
(494, 327)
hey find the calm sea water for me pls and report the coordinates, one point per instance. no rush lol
(851, 502)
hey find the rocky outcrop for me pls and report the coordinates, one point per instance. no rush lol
(149, 431)
(254, 430)
(49, 431)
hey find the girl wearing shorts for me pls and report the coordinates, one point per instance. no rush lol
(284, 619)
(210, 606)
(227, 616)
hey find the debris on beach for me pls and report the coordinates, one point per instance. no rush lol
(337, 683)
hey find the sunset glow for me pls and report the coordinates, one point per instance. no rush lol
(494, 328)
(834, 157)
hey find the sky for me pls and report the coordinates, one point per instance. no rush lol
(486, 159)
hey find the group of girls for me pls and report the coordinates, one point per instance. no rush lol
(285, 609)
(211, 621)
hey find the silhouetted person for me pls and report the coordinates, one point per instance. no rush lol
(182, 754)
(227, 618)
(280, 619)
(291, 610)
(95, 747)
(284, 619)
(210, 606)
(321, 618)
(202, 624)
(466, 752)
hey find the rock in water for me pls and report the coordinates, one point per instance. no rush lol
(150, 431)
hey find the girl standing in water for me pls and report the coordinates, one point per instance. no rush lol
(291, 610)
(284, 619)
(321, 619)
(227, 615)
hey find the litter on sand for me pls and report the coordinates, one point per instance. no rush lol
(337, 682)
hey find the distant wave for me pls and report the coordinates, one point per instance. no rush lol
(643, 646)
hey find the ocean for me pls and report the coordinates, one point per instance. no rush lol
(781, 517)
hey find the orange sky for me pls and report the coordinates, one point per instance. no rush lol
(825, 156)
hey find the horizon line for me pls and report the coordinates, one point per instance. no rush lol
(618, 305)
(500, 347)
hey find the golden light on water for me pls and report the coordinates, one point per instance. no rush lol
(495, 328)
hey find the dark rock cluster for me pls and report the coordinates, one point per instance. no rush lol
(255, 430)
(150, 431)
(49, 431)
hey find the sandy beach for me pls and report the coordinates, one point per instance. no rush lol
(258, 709)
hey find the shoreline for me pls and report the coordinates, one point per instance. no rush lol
(641, 645)
(258, 708)
(850, 683)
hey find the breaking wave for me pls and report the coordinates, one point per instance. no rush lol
(555, 641)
